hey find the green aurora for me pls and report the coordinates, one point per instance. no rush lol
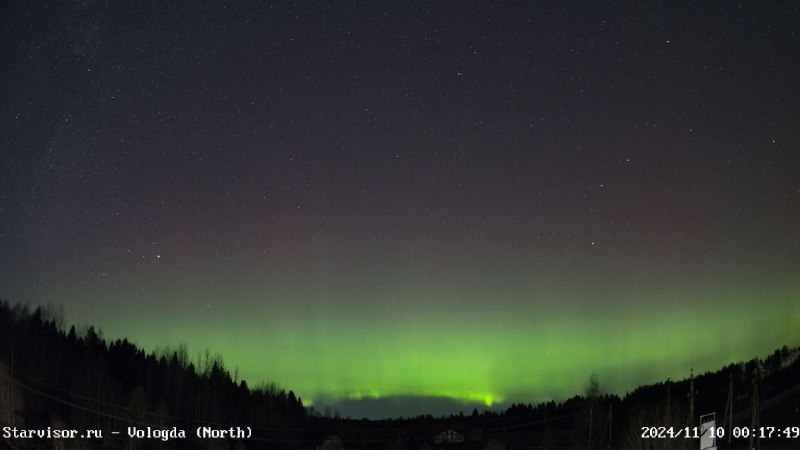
(454, 200)
(492, 348)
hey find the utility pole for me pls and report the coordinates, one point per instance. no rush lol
(691, 398)
(666, 413)
(728, 420)
(610, 410)
(754, 421)
(690, 417)
(591, 414)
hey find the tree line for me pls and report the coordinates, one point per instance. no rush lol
(55, 377)
(50, 376)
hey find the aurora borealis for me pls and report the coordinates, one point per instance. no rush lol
(433, 199)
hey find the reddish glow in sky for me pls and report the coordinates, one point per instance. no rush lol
(390, 199)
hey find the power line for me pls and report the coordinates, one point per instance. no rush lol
(226, 425)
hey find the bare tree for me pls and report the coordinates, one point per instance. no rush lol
(589, 422)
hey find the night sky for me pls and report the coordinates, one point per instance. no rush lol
(435, 201)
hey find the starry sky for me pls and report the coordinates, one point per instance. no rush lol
(442, 201)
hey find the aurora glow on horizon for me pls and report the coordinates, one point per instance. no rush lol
(458, 202)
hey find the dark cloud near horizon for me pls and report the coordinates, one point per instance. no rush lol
(407, 406)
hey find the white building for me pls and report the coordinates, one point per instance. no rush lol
(449, 436)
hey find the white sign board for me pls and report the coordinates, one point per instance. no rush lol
(707, 441)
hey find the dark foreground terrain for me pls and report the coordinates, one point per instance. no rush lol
(64, 379)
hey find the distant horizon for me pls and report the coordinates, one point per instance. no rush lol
(376, 406)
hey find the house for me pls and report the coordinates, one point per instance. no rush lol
(449, 436)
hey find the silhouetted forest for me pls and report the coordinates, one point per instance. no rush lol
(70, 379)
